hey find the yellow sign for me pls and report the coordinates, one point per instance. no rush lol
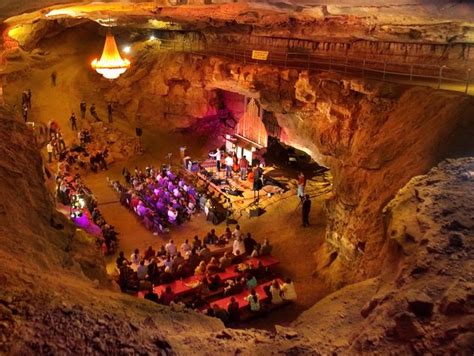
(260, 55)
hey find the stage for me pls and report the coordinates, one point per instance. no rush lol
(235, 195)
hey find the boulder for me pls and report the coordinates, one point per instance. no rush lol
(406, 326)
(455, 299)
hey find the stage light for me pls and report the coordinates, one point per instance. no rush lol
(111, 65)
(152, 38)
(127, 49)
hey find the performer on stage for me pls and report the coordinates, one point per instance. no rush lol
(257, 180)
(218, 157)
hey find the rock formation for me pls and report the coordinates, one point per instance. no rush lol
(373, 136)
(402, 246)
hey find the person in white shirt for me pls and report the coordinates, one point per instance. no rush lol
(135, 257)
(238, 245)
(171, 247)
(172, 215)
(237, 232)
(229, 162)
(275, 291)
(168, 263)
(50, 149)
(288, 290)
(218, 157)
(142, 270)
(185, 247)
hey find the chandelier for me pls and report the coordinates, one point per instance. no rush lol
(111, 65)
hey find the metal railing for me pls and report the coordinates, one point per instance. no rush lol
(439, 76)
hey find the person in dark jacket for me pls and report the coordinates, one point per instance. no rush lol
(249, 244)
(305, 210)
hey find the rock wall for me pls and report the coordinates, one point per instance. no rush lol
(423, 301)
(373, 136)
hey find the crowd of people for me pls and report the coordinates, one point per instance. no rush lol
(143, 270)
(159, 197)
(70, 191)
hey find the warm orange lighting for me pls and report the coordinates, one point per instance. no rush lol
(111, 65)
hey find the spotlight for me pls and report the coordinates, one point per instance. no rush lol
(152, 38)
(127, 49)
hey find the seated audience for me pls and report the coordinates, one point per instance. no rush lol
(205, 253)
(149, 253)
(225, 261)
(152, 296)
(171, 248)
(197, 243)
(288, 290)
(266, 248)
(238, 245)
(251, 282)
(185, 247)
(254, 301)
(135, 257)
(233, 310)
(167, 296)
(141, 270)
(249, 244)
(213, 266)
(276, 292)
(201, 269)
(121, 259)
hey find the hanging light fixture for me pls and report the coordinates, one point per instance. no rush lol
(111, 65)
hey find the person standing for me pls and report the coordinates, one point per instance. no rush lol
(218, 158)
(257, 181)
(229, 162)
(301, 185)
(24, 98)
(53, 78)
(305, 210)
(93, 112)
(83, 108)
(109, 112)
(50, 150)
(73, 121)
(244, 166)
(25, 112)
(28, 98)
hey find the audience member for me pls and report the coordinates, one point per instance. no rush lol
(288, 290)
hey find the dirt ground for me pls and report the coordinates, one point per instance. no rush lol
(293, 245)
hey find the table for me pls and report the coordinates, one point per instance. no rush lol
(241, 298)
(188, 285)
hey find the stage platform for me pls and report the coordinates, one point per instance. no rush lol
(238, 195)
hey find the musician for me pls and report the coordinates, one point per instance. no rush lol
(218, 157)
(257, 178)
(244, 165)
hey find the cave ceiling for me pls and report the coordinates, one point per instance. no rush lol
(394, 20)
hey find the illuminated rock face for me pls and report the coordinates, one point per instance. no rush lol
(373, 136)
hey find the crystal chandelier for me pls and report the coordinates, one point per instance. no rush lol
(111, 65)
